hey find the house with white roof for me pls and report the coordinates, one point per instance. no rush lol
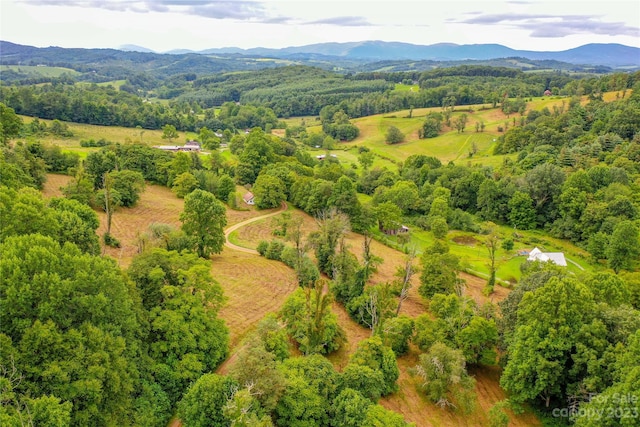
(555, 257)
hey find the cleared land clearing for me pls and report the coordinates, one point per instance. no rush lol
(408, 400)
(39, 70)
(255, 286)
(82, 132)
(415, 407)
(449, 145)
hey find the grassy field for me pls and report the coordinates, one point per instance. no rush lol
(119, 134)
(39, 70)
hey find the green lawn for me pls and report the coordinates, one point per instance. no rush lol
(470, 248)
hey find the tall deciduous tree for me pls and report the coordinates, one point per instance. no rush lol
(445, 379)
(439, 274)
(374, 354)
(624, 246)
(204, 220)
(203, 403)
(169, 132)
(522, 215)
(546, 339)
(269, 191)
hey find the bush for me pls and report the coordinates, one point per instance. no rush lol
(262, 247)
(274, 251)
(463, 221)
(110, 241)
(507, 244)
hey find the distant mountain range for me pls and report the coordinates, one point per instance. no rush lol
(612, 55)
(113, 64)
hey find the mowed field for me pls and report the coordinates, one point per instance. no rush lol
(255, 286)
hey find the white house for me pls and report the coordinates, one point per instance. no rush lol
(555, 257)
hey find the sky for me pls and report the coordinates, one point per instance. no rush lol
(163, 25)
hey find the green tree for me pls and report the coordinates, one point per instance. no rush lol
(243, 410)
(546, 336)
(129, 185)
(393, 135)
(80, 188)
(109, 199)
(256, 368)
(478, 341)
(169, 132)
(307, 314)
(184, 184)
(208, 138)
(78, 224)
(439, 274)
(460, 122)
(396, 333)
(309, 389)
(368, 381)
(372, 353)
(84, 328)
(491, 242)
(438, 226)
(388, 216)
(333, 226)
(204, 219)
(350, 408)
(445, 379)
(10, 123)
(377, 415)
(522, 215)
(430, 128)
(203, 403)
(366, 159)
(624, 246)
(269, 191)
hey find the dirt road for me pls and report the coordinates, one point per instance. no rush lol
(234, 227)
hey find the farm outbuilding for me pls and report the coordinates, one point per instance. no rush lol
(555, 257)
(249, 198)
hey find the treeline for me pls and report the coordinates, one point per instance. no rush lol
(287, 91)
(107, 106)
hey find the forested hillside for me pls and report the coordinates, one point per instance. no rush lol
(89, 340)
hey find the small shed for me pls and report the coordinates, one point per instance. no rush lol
(249, 198)
(547, 92)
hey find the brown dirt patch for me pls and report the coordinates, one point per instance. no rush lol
(474, 288)
(415, 407)
(466, 240)
(53, 184)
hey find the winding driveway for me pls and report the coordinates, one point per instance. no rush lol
(241, 224)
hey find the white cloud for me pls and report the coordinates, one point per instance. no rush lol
(198, 24)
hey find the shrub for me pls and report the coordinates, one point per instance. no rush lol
(262, 247)
(274, 251)
(110, 241)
